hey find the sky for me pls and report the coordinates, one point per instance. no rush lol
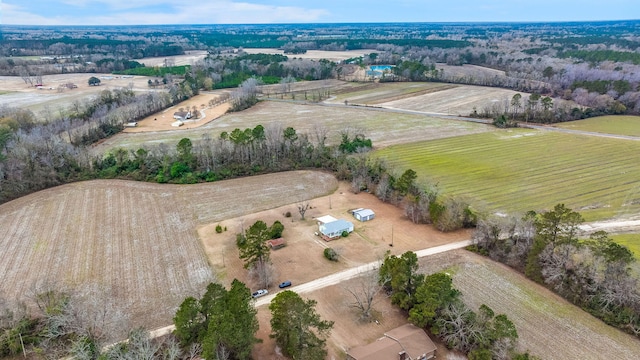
(143, 12)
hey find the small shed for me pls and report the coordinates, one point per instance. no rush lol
(276, 244)
(363, 214)
(334, 229)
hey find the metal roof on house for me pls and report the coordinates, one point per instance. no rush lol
(364, 212)
(337, 226)
(326, 219)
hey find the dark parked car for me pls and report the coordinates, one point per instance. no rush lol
(284, 284)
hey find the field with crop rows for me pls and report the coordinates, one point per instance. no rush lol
(376, 93)
(521, 170)
(548, 326)
(383, 127)
(138, 241)
(614, 124)
(459, 100)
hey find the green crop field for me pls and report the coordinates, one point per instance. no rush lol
(520, 170)
(632, 241)
(614, 124)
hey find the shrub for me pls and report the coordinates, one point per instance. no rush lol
(218, 229)
(345, 233)
(331, 254)
(287, 214)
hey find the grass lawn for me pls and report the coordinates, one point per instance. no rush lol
(519, 170)
(632, 241)
(614, 124)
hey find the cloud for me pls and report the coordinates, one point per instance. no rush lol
(129, 12)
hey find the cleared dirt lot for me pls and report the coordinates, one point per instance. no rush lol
(138, 241)
(162, 121)
(302, 259)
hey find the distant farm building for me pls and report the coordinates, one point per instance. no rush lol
(379, 71)
(402, 343)
(276, 244)
(363, 214)
(335, 229)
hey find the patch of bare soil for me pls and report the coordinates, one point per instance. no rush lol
(302, 259)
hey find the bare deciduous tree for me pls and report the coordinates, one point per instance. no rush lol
(263, 274)
(364, 292)
(302, 208)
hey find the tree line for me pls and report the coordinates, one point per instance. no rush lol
(593, 273)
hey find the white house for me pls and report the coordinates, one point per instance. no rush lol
(363, 214)
(334, 229)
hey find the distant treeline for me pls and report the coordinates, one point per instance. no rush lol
(596, 56)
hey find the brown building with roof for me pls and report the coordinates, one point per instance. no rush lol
(407, 342)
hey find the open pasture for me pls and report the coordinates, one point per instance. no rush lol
(548, 326)
(383, 127)
(632, 241)
(520, 170)
(613, 124)
(138, 241)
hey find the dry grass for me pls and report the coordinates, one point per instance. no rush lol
(137, 240)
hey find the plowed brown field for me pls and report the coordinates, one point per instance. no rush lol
(137, 240)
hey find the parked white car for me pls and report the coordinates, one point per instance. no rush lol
(261, 292)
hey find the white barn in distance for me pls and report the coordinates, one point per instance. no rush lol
(363, 214)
